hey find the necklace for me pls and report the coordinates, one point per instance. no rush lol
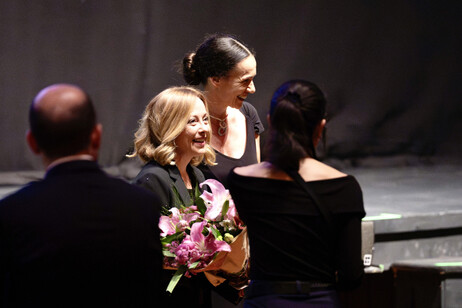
(223, 125)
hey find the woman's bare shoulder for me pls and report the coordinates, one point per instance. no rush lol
(262, 170)
(314, 170)
(310, 170)
(251, 170)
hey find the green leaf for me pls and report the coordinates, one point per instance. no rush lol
(176, 278)
(167, 253)
(201, 206)
(197, 192)
(174, 237)
(165, 211)
(194, 265)
(216, 233)
(225, 209)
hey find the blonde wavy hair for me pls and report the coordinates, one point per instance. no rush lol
(164, 118)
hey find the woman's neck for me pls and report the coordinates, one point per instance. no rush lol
(182, 165)
(216, 106)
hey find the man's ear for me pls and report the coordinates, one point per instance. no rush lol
(32, 143)
(95, 140)
(268, 120)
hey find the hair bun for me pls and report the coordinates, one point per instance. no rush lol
(293, 97)
(190, 74)
(189, 59)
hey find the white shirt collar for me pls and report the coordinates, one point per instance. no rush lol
(66, 159)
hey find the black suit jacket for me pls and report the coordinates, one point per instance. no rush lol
(160, 179)
(192, 292)
(79, 238)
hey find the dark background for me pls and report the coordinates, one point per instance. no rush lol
(392, 70)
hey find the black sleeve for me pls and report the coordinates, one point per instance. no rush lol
(251, 113)
(348, 253)
(3, 266)
(155, 183)
(155, 253)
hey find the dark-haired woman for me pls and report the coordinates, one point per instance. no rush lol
(303, 217)
(226, 69)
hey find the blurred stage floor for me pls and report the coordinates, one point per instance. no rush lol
(406, 191)
(417, 211)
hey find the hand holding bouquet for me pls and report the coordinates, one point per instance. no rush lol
(192, 237)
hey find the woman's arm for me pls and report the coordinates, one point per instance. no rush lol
(257, 146)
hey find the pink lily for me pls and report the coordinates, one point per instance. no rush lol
(176, 222)
(215, 200)
(206, 244)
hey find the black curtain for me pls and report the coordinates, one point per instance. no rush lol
(391, 69)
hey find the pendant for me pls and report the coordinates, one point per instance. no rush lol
(223, 125)
(222, 128)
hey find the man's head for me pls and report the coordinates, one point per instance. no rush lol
(63, 123)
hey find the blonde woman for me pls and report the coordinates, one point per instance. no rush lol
(173, 137)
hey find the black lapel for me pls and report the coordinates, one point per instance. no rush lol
(179, 184)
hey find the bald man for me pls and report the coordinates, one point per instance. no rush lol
(77, 238)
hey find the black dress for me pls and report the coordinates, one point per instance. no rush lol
(225, 163)
(289, 240)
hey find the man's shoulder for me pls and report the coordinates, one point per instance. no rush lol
(75, 186)
(123, 186)
(124, 193)
(28, 194)
(25, 190)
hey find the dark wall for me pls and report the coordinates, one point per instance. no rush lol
(391, 69)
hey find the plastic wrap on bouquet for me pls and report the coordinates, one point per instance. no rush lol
(233, 265)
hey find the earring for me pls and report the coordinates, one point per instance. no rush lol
(172, 162)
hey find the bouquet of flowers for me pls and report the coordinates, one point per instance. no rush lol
(199, 238)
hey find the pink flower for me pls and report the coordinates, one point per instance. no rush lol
(197, 247)
(215, 201)
(206, 244)
(176, 222)
(183, 252)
